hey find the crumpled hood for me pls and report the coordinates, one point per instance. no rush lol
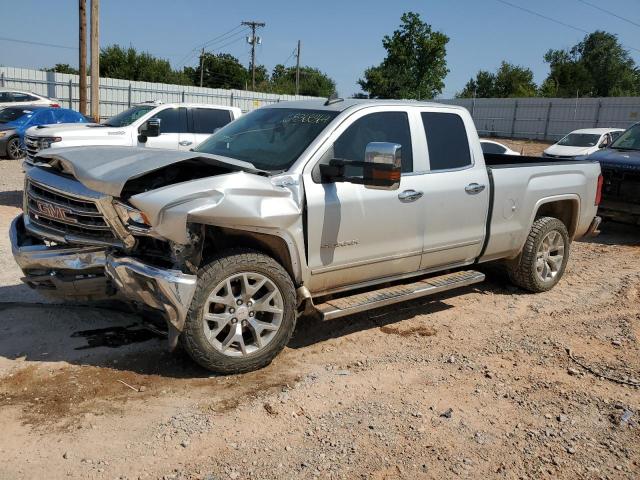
(620, 159)
(107, 169)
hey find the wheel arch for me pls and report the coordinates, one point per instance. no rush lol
(274, 245)
(565, 208)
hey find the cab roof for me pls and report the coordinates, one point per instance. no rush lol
(342, 105)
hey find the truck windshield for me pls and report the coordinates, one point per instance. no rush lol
(129, 116)
(269, 138)
(580, 140)
(629, 140)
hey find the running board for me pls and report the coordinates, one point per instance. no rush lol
(340, 307)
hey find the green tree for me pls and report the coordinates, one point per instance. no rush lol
(313, 82)
(221, 70)
(62, 68)
(483, 86)
(129, 64)
(415, 65)
(508, 81)
(514, 81)
(599, 66)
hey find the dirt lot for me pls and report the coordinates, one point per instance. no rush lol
(474, 384)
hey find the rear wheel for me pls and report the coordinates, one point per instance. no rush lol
(544, 257)
(242, 315)
(14, 151)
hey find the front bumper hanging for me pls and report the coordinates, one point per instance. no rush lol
(169, 291)
(65, 271)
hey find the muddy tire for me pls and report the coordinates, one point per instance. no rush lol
(544, 257)
(243, 312)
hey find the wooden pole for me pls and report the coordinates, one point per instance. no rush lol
(298, 69)
(201, 67)
(82, 60)
(95, 60)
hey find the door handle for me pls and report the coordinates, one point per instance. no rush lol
(410, 196)
(474, 188)
(184, 143)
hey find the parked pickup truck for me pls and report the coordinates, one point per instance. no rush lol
(620, 165)
(329, 207)
(178, 126)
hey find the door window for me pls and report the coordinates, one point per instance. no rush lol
(447, 141)
(208, 120)
(392, 127)
(173, 120)
(23, 97)
(6, 97)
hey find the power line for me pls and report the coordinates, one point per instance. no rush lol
(220, 38)
(42, 44)
(608, 12)
(554, 20)
(551, 19)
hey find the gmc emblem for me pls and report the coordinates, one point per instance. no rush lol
(54, 211)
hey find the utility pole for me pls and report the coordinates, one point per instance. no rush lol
(82, 60)
(95, 60)
(201, 66)
(253, 40)
(298, 69)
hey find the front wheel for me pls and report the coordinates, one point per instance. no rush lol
(544, 257)
(14, 151)
(242, 315)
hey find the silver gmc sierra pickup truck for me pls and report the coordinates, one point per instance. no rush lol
(330, 207)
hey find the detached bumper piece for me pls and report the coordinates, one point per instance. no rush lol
(58, 271)
(169, 291)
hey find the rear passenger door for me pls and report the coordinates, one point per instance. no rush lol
(205, 121)
(456, 191)
(174, 133)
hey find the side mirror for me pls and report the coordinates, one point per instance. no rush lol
(383, 165)
(150, 128)
(381, 169)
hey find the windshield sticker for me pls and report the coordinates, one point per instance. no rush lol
(312, 118)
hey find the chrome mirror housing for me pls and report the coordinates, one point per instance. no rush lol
(383, 165)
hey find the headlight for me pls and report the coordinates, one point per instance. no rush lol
(2, 134)
(130, 215)
(45, 142)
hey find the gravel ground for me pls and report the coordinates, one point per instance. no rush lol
(472, 384)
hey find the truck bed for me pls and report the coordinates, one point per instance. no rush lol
(517, 183)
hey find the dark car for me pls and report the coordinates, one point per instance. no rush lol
(14, 122)
(620, 165)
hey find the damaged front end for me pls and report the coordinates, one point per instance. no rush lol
(141, 237)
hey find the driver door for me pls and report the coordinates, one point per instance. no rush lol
(358, 234)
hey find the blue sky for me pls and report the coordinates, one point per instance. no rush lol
(342, 38)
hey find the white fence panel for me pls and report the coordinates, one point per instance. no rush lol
(548, 118)
(116, 95)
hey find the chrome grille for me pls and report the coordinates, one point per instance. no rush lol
(33, 146)
(65, 215)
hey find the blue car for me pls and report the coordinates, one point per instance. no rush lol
(14, 122)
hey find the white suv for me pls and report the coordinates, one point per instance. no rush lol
(177, 126)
